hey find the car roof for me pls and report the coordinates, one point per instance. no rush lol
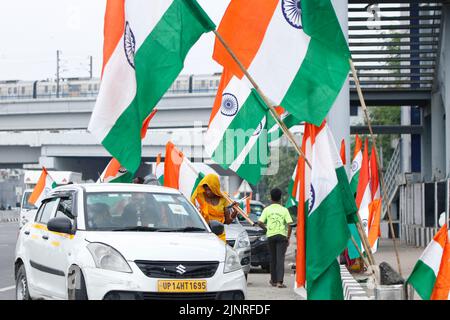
(116, 187)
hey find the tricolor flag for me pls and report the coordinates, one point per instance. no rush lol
(356, 164)
(43, 187)
(159, 169)
(431, 275)
(179, 172)
(363, 201)
(145, 44)
(376, 205)
(295, 51)
(329, 206)
(114, 172)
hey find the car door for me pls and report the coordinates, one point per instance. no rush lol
(40, 265)
(60, 248)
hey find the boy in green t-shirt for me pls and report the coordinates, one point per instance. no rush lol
(275, 219)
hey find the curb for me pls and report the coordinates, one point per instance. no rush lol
(352, 289)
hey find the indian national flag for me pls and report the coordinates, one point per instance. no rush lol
(363, 201)
(43, 187)
(356, 164)
(295, 51)
(179, 172)
(329, 205)
(159, 169)
(114, 171)
(145, 44)
(431, 275)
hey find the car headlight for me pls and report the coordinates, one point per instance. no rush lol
(263, 238)
(231, 260)
(106, 257)
(242, 241)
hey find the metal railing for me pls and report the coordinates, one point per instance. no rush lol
(390, 177)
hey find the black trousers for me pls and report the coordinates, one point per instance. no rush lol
(277, 250)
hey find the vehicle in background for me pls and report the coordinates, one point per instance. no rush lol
(258, 240)
(124, 241)
(27, 210)
(237, 238)
(31, 177)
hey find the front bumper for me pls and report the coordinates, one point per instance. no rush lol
(102, 284)
(260, 253)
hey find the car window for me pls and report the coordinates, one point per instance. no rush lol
(25, 203)
(117, 210)
(65, 208)
(47, 210)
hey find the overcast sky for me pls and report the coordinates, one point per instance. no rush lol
(32, 30)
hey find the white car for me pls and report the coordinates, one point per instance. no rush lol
(124, 241)
(27, 210)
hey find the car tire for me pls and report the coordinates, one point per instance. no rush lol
(77, 292)
(266, 268)
(22, 292)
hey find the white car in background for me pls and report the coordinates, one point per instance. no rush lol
(124, 241)
(27, 210)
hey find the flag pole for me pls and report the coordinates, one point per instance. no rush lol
(372, 136)
(367, 263)
(273, 112)
(284, 128)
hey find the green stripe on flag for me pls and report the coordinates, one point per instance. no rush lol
(422, 279)
(328, 286)
(158, 62)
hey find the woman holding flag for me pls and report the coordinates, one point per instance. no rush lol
(212, 205)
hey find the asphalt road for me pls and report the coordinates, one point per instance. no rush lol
(258, 281)
(8, 237)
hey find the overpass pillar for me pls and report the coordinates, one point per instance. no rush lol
(339, 115)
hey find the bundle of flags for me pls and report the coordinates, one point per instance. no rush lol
(364, 174)
(431, 275)
(325, 207)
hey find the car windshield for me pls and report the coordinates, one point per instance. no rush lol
(26, 204)
(141, 211)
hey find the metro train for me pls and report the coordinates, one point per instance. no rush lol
(89, 87)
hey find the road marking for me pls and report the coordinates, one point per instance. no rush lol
(7, 288)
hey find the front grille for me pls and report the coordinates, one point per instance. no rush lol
(178, 269)
(180, 296)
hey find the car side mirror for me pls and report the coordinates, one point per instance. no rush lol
(60, 224)
(216, 227)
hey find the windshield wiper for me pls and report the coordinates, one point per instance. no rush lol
(137, 228)
(186, 229)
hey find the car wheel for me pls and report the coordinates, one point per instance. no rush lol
(77, 285)
(266, 268)
(22, 292)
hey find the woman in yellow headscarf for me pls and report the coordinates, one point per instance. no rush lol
(212, 204)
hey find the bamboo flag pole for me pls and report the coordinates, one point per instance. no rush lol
(364, 107)
(286, 131)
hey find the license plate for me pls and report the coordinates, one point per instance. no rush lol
(182, 285)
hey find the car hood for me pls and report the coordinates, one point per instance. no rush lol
(163, 246)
